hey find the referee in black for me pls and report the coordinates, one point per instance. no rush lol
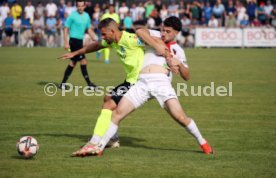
(76, 25)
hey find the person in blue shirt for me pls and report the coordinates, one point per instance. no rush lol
(251, 10)
(76, 25)
(128, 24)
(51, 30)
(8, 27)
(207, 12)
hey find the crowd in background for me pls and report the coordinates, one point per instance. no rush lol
(41, 24)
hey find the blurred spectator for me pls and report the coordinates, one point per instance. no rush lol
(218, 12)
(213, 22)
(158, 5)
(207, 12)
(181, 9)
(4, 10)
(134, 12)
(173, 9)
(128, 23)
(256, 23)
(185, 39)
(29, 11)
(69, 8)
(89, 9)
(38, 30)
(251, 10)
(244, 22)
(1, 29)
(51, 31)
(261, 13)
(241, 12)
(230, 8)
(40, 9)
(8, 29)
(51, 9)
(164, 12)
(149, 6)
(268, 11)
(140, 10)
(61, 10)
(97, 12)
(111, 14)
(154, 22)
(231, 21)
(16, 10)
(273, 22)
(123, 11)
(195, 10)
(16, 28)
(26, 32)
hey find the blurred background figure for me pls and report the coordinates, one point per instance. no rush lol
(16, 10)
(26, 38)
(8, 28)
(29, 11)
(16, 29)
(38, 30)
(51, 31)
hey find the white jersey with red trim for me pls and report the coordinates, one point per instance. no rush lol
(178, 53)
(151, 58)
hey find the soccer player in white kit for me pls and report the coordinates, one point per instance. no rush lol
(155, 81)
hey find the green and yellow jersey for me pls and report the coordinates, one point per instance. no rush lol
(131, 51)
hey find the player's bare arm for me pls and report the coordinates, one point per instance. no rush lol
(66, 43)
(145, 36)
(87, 49)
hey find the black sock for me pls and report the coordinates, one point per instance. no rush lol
(67, 73)
(85, 74)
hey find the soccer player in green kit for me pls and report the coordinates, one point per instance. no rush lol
(131, 51)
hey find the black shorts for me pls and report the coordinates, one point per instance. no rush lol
(76, 44)
(118, 92)
(9, 32)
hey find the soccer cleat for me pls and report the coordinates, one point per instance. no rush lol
(63, 86)
(87, 150)
(206, 148)
(113, 143)
(106, 61)
(92, 86)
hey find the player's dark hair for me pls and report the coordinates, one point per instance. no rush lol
(106, 22)
(80, 1)
(173, 22)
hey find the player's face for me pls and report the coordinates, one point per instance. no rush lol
(81, 6)
(168, 34)
(108, 35)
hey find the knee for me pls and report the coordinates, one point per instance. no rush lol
(109, 104)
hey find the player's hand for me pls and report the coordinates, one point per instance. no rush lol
(66, 46)
(67, 56)
(173, 64)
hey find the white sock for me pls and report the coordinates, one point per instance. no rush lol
(111, 131)
(95, 139)
(193, 130)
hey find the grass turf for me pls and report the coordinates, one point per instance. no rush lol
(241, 128)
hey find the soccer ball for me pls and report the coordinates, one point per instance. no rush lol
(27, 146)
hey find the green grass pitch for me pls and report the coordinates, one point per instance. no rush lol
(241, 128)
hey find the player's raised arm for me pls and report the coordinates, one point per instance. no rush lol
(144, 34)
